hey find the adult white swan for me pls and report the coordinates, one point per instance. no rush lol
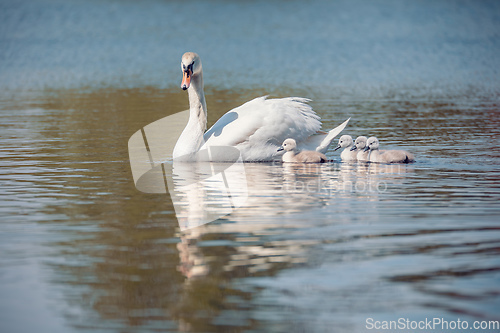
(256, 128)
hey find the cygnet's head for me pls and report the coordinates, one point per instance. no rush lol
(190, 66)
(288, 145)
(372, 143)
(344, 142)
(360, 142)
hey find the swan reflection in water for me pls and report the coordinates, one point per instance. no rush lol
(274, 189)
(206, 191)
(203, 192)
(250, 195)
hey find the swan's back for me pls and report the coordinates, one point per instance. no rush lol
(395, 156)
(258, 127)
(392, 156)
(309, 156)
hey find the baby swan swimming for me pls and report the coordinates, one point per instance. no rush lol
(292, 154)
(360, 144)
(349, 153)
(388, 156)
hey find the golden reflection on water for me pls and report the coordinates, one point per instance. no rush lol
(122, 259)
(116, 254)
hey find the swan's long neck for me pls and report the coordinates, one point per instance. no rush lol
(191, 138)
(197, 104)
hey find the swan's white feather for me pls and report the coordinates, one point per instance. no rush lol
(258, 127)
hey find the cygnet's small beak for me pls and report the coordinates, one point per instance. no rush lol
(186, 79)
(366, 148)
(281, 148)
(338, 147)
(354, 148)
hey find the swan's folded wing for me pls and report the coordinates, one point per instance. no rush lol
(261, 125)
(236, 126)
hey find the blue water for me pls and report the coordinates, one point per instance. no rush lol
(370, 47)
(83, 250)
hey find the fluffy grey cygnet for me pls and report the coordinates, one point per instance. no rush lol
(293, 155)
(388, 156)
(349, 153)
(360, 144)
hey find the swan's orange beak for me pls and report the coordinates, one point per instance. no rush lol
(186, 79)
